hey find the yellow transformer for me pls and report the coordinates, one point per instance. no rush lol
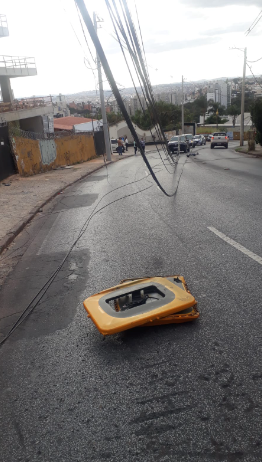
(142, 302)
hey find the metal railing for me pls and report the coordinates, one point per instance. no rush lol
(25, 103)
(17, 62)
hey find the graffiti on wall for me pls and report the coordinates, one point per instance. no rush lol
(40, 155)
(48, 151)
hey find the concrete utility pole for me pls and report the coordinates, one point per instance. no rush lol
(182, 105)
(102, 100)
(243, 100)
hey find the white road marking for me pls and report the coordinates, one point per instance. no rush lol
(236, 245)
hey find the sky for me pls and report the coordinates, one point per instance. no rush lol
(193, 38)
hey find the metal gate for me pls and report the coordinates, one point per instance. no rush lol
(7, 165)
(99, 140)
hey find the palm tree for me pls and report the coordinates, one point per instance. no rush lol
(233, 111)
(214, 107)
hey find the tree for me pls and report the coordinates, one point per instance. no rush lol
(256, 115)
(195, 109)
(114, 118)
(216, 107)
(233, 111)
(249, 101)
(169, 116)
(215, 119)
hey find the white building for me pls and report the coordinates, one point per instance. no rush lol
(94, 125)
(220, 93)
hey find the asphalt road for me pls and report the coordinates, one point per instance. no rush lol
(189, 392)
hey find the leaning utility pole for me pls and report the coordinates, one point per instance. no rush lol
(182, 127)
(243, 101)
(102, 100)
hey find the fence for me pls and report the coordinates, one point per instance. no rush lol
(43, 136)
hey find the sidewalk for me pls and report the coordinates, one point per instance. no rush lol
(244, 149)
(22, 197)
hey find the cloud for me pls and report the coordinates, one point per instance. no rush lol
(238, 27)
(159, 47)
(220, 3)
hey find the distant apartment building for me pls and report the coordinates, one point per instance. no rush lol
(81, 106)
(60, 107)
(257, 89)
(115, 107)
(30, 114)
(220, 93)
(137, 104)
(169, 97)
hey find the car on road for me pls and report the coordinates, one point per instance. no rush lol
(209, 137)
(198, 140)
(179, 141)
(190, 138)
(219, 139)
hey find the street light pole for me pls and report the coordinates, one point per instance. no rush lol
(243, 101)
(182, 105)
(102, 100)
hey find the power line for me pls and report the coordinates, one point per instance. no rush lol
(85, 57)
(250, 68)
(40, 294)
(80, 20)
(132, 57)
(139, 65)
(108, 72)
(254, 23)
(255, 61)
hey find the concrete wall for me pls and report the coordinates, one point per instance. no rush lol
(121, 129)
(32, 124)
(27, 113)
(38, 156)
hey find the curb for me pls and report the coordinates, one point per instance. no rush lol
(11, 235)
(251, 153)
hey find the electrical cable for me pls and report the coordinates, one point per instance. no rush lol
(132, 54)
(141, 38)
(255, 60)
(135, 62)
(27, 311)
(139, 76)
(108, 72)
(254, 23)
(254, 76)
(141, 65)
(85, 57)
(79, 17)
(111, 13)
